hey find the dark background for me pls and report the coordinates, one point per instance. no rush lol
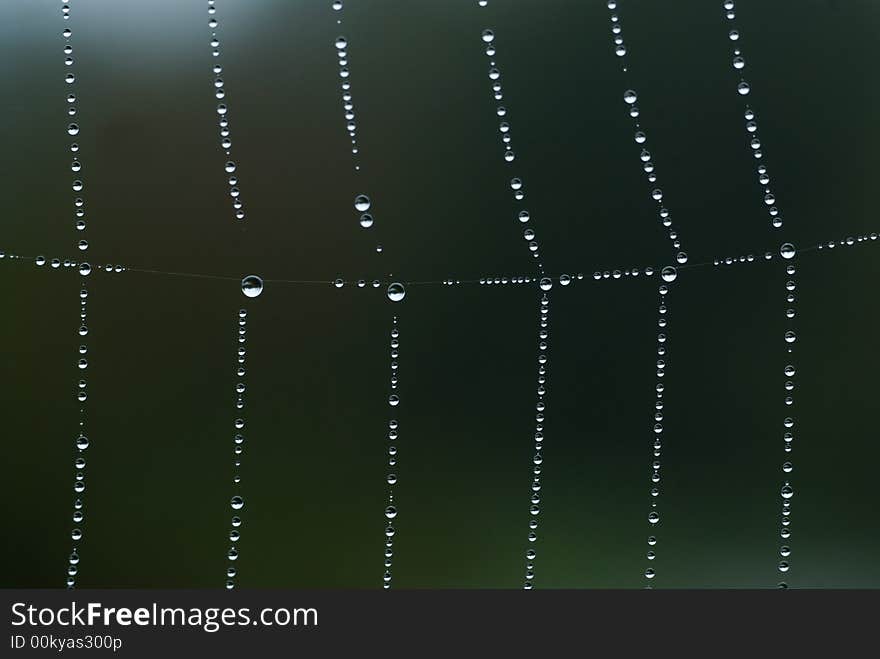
(161, 371)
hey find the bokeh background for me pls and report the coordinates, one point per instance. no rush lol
(161, 372)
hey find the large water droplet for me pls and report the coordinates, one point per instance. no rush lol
(787, 251)
(252, 286)
(362, 203)
(396, 292)
(668, 274)
(237, 503)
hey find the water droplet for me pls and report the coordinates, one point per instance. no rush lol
(787, 251)
(366, 220)
(391, 512)
(85, 269)
(237, 503)
(653, 517)
(668, 274)
(488, 36)
(546, 283)
(362, 203)
(252, 286)
(396, 292)
(743, 88)
(630, 96)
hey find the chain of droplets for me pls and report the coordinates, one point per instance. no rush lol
(391, 477)
(223, 112)
(787, 251)
(786, 492)
(743, 88)
(488, 280)
(630, 97)
(535, 497)
(81, 442)
(237, 502)
(668, 275)
(362, 202)
(516, 183)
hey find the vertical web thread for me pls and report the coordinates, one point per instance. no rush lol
(237, 501)
(545, 284)
(81, 442)
(523, 217)
(390, 511)
(659, 404)
(538, 458)
(787, 251)
(223, 114)
(668, 275)
(363, 204)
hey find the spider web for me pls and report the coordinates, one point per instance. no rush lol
(160, 400)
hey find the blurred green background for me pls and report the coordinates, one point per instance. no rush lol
(161, 372)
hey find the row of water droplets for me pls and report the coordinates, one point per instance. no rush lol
(849, 241)
(668, 274)
(251, 287)
(787, 492)
(81, 442)
(395, 292)
(630, 97)
(362, 202)
(545, 284)
(788, 252)
(390, 511)
(538, 458)
(223, 115)
(751, 125)
(523, 216)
